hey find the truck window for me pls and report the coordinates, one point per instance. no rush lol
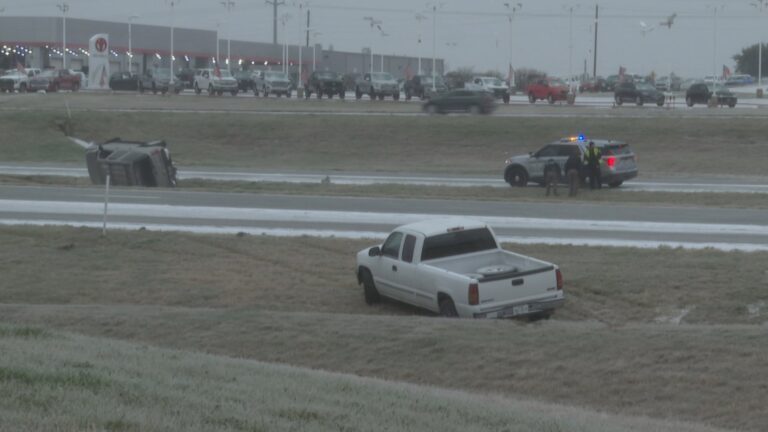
(408, 245)
(391, 246)
(457, 243)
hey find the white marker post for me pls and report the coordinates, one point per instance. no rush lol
(106, 205)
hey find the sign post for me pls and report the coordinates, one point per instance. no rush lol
(106, 204)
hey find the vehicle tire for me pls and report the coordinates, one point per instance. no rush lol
(505, 98)
(381, 96)
(516, 176)
(234, 92)
(220, 92)
(660, 103)
(732, 105)
(154, 89)
(407, 95)
(538, 316)
(531, 98)
(430, 109)
(369, 288)
(551, 99)
(307, 94)
(688, 101)
(319, 94)
(211, 92)
(342, 95)
(447, 308)
(358, 94)
(55, 88)
(330, 95)
(141, 88)
(639, 101)
(396, 96)
(164, 91)
(197, 89)
(372, 95)
(618, 100)
(288, 95)
(473, 110)
(615, 184)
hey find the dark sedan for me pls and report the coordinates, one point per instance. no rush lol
(701, 93)
(473, 102)
(124, 81)
(639, 93)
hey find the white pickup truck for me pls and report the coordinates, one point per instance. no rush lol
(455, 267)
(492, 85)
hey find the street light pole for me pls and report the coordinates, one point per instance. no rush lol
(420, 17)
(513, 8)
(434, 47)
(300, 78)
(228, 5)
(64, 8)
(760, 5)
(130, 47)
(172, 3)
(315, 34)
(570, 45)
(284, 19)
(374, 24)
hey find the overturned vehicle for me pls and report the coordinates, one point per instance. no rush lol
(131, 163)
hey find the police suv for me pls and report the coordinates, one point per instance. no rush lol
(618, 163)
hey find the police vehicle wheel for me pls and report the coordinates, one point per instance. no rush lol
(516, 176)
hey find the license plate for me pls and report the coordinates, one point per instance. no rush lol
(520, 310)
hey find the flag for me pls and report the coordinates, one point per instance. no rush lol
(217, 71)
(622, 71)
(726, 72)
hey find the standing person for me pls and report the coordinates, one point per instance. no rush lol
(551, 176)
(592, 160)
(573, 171)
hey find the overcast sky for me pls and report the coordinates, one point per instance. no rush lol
(476, 32)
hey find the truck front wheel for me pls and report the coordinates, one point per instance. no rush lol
(369, 287)
(531, 98)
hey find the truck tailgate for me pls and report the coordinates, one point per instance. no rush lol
(502, 292)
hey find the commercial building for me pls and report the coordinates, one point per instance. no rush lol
(38, 42)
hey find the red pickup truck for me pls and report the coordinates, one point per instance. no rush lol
(549, 89)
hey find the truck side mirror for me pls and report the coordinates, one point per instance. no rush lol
(374, 251)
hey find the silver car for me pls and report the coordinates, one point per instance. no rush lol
(618, 163)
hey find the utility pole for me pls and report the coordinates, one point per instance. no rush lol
(513, 8)
(172, 3)
(594, 62)
(275, 4)
(760, 5)
(64, 8)
(308, 14)
(130, 48)
(421, 17)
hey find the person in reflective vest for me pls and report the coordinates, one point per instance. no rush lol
(592, 159)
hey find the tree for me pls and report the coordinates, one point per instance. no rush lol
(457, 78)
(746, 62)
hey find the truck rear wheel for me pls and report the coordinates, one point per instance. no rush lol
(531, 98)
(369, 288)
(447, 308)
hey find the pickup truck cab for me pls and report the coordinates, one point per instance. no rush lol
(492, 85)
(549, 89)
(455, 267)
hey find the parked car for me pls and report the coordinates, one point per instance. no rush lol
(326, 83)
(639, 93)
(158, 80)
(618, 164)
(421, 87)
(271, 82)
(244, 80)
(461, 100)
(592, 85)
(663, 83)
(125, 81)
(215, 81)
(611, 81)
(549, 89)
(377, 85)
(739, 80)
(52, 80)
(457, 268)
(17, 80)
(701, 93)
(492, 85)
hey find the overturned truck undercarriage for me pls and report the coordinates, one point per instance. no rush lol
(131, 163)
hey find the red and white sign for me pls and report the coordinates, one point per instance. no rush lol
(98, 62)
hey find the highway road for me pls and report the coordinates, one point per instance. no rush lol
(691, 184)
(353, 217)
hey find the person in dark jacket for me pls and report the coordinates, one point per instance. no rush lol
(592, 160)
(573, 168)
(551, 176)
